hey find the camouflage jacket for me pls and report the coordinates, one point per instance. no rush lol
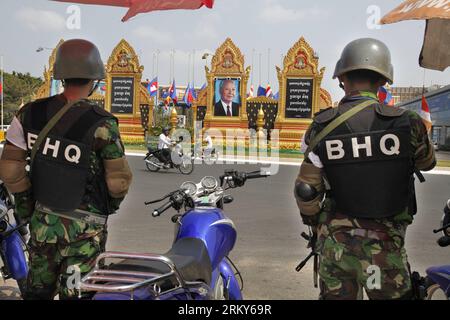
(424, 157)
(54, 229)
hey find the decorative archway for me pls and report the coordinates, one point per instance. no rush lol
(227, 65)
(300, 93)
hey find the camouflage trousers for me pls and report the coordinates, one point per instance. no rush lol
(56, 268)
(354, 259)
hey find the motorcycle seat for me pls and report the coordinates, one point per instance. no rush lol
(152, 150)
(189, 255)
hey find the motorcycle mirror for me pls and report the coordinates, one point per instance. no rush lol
(228, 199)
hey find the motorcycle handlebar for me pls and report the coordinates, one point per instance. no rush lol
(257, 175)
(162, 209)
(442, 229)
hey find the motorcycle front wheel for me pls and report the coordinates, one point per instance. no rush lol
(187, 165)
(220, 290)
(150, 166)
(434, 291)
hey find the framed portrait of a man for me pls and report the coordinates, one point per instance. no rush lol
(227, 97)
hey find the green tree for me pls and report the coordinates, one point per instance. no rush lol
(17, 88)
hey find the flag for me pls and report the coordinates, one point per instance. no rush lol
(251, 93)
(152, 87)
(268, 91)
(188, 97)
(276, 96)
(261, 92)
(173, 92)
(194, 93)
(385, 97)
(425, 114)
(1, 89)
(203, 87)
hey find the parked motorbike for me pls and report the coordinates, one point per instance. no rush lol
(197, 267)
(12, 242)
(438, 277)
(184, 163)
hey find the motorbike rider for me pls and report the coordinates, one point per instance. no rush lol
(78, 174)
(209, 149)
(164, 145)
(356, 185)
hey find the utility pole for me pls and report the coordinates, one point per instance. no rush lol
(3, 89)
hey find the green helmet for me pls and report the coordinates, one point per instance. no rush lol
(366, 54)
(78, 59)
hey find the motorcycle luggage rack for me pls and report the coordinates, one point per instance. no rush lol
(114, 281)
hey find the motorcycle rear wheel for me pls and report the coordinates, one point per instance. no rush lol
(151, 167)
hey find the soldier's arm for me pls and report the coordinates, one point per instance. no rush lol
(13, 170)
(424, 154)
(118, 175)
(309, 186)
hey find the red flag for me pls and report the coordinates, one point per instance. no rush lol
(425, 114)
(1, 88)
(141, 6)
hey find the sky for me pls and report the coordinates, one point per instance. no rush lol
(257, 27)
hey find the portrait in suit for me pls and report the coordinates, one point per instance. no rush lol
(227, 102)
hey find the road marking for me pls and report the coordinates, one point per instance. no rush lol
(231, 160)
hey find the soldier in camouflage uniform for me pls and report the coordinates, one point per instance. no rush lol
(65, 240)
(355, 189)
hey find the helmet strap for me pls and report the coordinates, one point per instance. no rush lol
(94, 88)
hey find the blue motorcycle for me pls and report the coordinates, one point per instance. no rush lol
(197, 267)
(12, 242)
(438, 278)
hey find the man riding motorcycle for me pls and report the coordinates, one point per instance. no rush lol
(164, 145)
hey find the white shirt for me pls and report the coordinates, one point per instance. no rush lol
(15, 134)
(312, 156)
(209, 141)
(225, 107)
(164, 142)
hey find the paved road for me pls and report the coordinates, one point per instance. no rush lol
(265, 213)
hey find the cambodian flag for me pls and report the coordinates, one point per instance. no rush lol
(261, 92)
(385, 97)
(425, 114)
(194, 93)
(276, 96)
(152, 87)
(268, 91)
(188, 97)
(251, 93)
(173, 92)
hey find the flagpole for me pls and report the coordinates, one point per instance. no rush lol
(193, 71)
(260, 67)
(189, 67)
(253, 64)
(3, 89)
(157, 75)
(268, 66)
(423, 83)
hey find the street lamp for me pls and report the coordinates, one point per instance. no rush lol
(205, 57)
(40, 49)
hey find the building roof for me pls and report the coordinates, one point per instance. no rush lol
(427, 95)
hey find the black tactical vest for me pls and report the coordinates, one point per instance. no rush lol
(368, 162)
(61, 177)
